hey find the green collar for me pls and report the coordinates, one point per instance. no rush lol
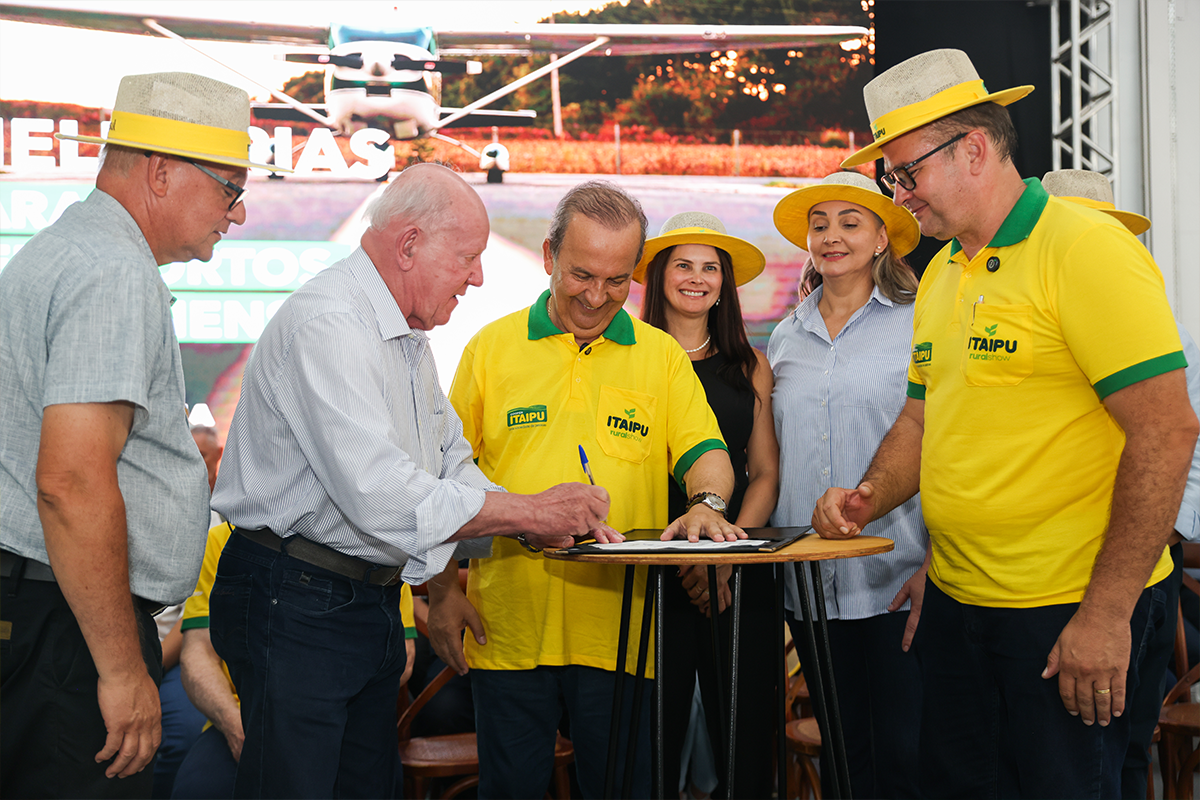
(619, 330)
(1020, 220)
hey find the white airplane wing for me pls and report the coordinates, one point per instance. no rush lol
(187, 27)
(629, 40)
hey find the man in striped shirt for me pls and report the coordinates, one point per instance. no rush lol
(345, 470)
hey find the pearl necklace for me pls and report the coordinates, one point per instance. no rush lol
(701, 347)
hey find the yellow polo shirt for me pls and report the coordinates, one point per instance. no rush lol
(1013, 352)
(528, 397)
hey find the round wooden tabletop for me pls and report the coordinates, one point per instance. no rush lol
(809, 548)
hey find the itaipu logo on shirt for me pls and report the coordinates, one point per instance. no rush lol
(624, 426)
(922, 354)
(992, 346)
(527, 417)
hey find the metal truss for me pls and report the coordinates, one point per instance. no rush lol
(1083, 85)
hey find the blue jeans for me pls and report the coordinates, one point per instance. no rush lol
(208, 771)
(517, 713)
(991, 725)
(316, 659)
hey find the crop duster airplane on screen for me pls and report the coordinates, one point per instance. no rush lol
(395, 72)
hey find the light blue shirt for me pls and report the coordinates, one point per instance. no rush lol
(343, 436)
(1188, 521)
(834, 401)
(86, 318)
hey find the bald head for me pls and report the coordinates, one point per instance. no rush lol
(426, 235)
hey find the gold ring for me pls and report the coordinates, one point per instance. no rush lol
(1103, 691)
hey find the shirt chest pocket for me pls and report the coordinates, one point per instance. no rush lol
(998, 347)
(625, 423)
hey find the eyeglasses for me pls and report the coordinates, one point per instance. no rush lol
(239, 192)
(901, 175)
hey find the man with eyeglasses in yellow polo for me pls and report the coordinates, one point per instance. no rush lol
(103, 494)
(1049, 432)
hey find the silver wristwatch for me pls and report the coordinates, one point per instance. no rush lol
(710, 499)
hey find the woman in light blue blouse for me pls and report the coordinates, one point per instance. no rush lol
(840, 362)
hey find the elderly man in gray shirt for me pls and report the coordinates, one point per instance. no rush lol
(103, 494)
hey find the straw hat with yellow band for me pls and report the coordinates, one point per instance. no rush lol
(1092, 189)
(791, 213)
(920, 90)
(696, 227)
(181, 114)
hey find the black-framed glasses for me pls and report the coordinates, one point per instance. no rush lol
(901, 175)
(239, 192)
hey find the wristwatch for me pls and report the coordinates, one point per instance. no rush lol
(710, 499)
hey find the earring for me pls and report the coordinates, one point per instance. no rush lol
(718, 302)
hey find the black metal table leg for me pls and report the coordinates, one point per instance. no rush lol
(614, 727)
(722, 694)
(734, 652)
(835, 717)
(781, 684)
(816, 680)
(659, 755)
(640, 676)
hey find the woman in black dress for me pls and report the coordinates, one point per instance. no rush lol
(691, 272)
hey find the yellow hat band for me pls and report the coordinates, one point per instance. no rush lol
(941, 104)
(177, 135)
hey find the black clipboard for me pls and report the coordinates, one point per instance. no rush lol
(776, 538)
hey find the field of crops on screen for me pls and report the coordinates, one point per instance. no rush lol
(641, 158)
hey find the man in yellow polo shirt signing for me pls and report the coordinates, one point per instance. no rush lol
(572, 370)
(1049, 431)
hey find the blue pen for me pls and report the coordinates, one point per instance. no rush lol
(586, 469)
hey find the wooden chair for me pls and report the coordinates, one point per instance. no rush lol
(1178, 723)
(455, 755)
(803, 737)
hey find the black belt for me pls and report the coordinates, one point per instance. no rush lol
(324, 557)
(21, 567)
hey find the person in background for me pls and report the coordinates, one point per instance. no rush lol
(691, 272)
(841, 364)
(1048, 429)
(1091, 189)
(102, 491)
(182, 721)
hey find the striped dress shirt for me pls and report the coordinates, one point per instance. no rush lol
(342, 434)
(834, 401)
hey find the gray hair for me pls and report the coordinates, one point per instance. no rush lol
(602, 201)
(409, 197)
(206, 430)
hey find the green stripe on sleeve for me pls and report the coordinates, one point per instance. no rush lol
(193, 622)
(687, 459)
(1140, 372)
(410, 633)
(916, 390)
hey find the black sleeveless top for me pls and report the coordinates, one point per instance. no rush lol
(734, 409)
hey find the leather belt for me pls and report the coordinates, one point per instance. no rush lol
(324, 557)
(12, 565)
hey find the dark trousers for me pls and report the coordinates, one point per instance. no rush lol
(1145, 702)
(181, 726)
(517, 713)
(316, 659)
(208, 771)
(52, 725)
(991, 725)
(688, 652)
(879, 699)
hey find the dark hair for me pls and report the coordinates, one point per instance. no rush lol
(604, 202)
(991, 118)
(724, 318)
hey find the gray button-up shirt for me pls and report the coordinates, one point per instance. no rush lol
(85, 318)
(343, 436)
(834, 401)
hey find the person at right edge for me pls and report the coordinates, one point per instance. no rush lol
(1049, 432)
(1092, 189)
